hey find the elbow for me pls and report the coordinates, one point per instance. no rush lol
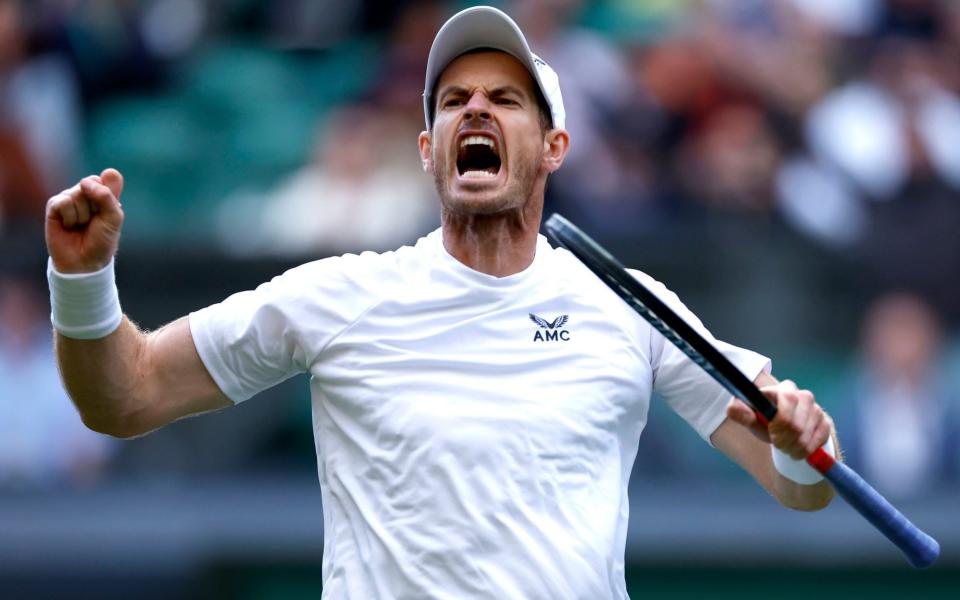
(813, 498)
(122, 413)
(814, 506)
(117, 426)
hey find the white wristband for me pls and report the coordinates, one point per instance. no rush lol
(84, 306)
(798, 470)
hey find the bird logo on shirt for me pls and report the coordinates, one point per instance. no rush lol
(550, 331)
(558, 322)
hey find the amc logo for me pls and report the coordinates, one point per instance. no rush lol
(550, 331)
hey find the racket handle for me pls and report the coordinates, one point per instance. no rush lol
(920, 549)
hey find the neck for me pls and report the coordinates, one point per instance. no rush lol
(500, 244)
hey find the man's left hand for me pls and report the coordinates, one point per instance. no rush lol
(800, 426)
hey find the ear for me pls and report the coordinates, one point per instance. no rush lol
(556, 142)
(425, 141)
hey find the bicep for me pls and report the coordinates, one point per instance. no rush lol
(177, 381)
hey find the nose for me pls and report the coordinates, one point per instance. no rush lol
(477, 107)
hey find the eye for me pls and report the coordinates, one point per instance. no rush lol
(451, 102)
(506, 101)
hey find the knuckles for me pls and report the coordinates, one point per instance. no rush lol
(800, 422)
(87, 197)
(788, 396)
(56, 202)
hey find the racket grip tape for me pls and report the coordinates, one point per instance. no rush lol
(920, 549)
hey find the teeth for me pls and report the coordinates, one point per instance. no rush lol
(476, 139)
(479, 175)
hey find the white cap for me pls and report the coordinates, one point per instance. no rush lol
(488, 27)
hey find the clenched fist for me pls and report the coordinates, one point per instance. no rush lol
(83, 223)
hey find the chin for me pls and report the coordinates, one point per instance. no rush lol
(488, 202)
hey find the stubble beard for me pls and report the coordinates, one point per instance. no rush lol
(513, 197)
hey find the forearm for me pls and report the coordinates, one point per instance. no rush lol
(129, 382)
(104, 377)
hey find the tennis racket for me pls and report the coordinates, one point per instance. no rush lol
(920, 549)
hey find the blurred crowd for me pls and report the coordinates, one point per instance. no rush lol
(836, 122)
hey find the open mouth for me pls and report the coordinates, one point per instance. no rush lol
(477, 157)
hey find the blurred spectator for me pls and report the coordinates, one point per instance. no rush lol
(949, 45)
(592, 72)
(897, 123)
(727, 111)
(597, 184)
(850, 17)
(730, 164)
(119, 46)
(22, 194)
(883, 167)
(39, 120)
(169, 29)
(900, 427)
(310, 23)
(42, 440)
(399, 82)
(363, 189)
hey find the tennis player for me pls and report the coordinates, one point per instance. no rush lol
(477, 397)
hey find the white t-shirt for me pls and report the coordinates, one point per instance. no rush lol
(474, 434)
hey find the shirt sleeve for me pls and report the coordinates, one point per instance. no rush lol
(256, 339)
(683, 385)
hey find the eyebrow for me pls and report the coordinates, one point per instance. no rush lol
(450, 89)
(499, 90)
(509, 89)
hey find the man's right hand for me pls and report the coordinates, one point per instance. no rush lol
(83, 223)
